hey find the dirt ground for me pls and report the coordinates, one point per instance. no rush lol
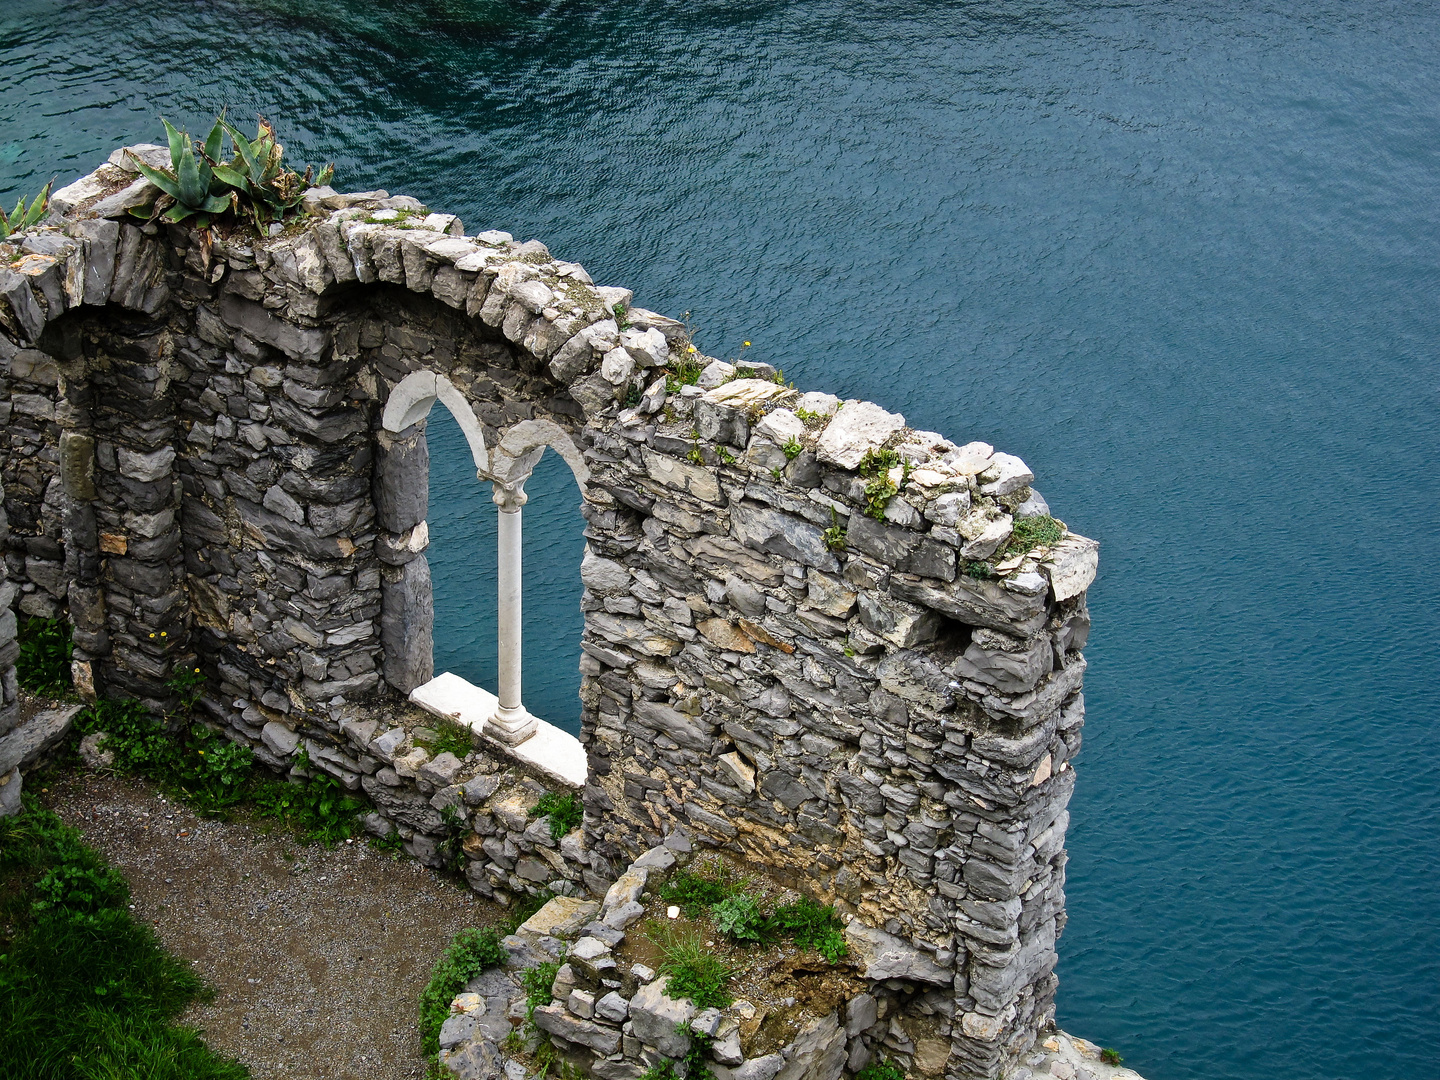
(317, 957)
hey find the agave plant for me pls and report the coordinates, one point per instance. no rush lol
(22, 217)
(266, 187)
(190, 183)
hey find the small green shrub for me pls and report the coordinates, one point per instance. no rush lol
(793, 448)
(739, 917)
(697, 1058)
(1032, 532)
(977, 569)
(813, 926)
(622, 316)
(564, 811)
(537, 982)
(836, 535)
(662, 1070)
(695, 972)
(881, 1069)
(43, 666)
(469, 953)
(1111, 1057)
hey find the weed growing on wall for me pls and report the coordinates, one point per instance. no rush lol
(879, 488)
(43, 666)
(213, 775)
(469, 953)
(447, 737)
(1033, 532)
(538, 983)
(881, 1069)
(564, 811)
(85, 990)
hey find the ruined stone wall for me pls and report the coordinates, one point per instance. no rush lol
(877, 709)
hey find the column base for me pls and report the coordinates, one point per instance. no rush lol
(510, 726)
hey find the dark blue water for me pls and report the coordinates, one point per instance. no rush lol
(1180, 257)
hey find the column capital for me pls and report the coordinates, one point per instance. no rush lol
(510, 497)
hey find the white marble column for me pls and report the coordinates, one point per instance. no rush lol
(511, 724)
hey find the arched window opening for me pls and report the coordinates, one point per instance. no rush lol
(463, 565)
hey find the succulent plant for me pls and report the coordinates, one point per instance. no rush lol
(190, 186)
(22, 217)
(269, 189)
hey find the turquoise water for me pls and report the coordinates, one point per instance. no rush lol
(1182, 258)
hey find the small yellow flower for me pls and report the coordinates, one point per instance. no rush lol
(692, 348)
(747, 344)
(197, 671)
(152, 635)
(162, 634)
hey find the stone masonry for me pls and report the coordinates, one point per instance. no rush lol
(877, 709)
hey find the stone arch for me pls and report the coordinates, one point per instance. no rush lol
(411, 401)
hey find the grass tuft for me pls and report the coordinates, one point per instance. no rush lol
(695, 972)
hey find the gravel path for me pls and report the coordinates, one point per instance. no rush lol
(317, 957)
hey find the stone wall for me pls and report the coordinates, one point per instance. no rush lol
(877, 709)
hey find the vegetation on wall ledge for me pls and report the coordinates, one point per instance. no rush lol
(23, 216)
(254, 184)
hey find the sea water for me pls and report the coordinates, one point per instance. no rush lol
(1180, 257)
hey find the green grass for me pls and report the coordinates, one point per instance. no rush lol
(695, 972)
(85, 990)
(740, 915)
(564, 811)
(43, 666)
(685, 373)
(1111, 1057)
(469, 953)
